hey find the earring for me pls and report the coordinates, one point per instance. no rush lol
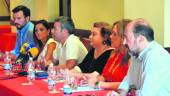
(104, 42)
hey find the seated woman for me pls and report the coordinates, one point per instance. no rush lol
(45, 42)
(97, 57)
(117, 65)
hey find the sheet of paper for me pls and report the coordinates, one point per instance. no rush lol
(85, 88)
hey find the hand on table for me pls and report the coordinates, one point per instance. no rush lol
(92, 79)
(113, 93)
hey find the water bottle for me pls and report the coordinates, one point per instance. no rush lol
(51, 78)
(30, 71)
(67, 89)
(67, 84)
(7, 65)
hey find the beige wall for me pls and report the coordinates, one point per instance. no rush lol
(53, 9)
(40, 9)
(166, 23)
(151, 10)
(86, 12)
(4, 23)
(28, 3)
(3, 12)
(3, 9)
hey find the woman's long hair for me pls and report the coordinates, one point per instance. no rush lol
(46, 25)
(121, 24)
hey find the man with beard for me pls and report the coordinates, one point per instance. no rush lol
(21, 18)
(149, 73)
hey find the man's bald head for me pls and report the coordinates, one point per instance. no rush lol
(142, 27)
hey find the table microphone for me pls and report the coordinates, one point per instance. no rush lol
(27, 51)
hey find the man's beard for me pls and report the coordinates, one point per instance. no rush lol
(133, 53)
(19, 27)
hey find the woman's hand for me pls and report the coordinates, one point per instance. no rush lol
(92, 79)
(40, 64)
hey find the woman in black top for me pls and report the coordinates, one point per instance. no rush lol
(96, 58)
(91, 64)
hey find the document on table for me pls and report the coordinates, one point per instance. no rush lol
(85, 88)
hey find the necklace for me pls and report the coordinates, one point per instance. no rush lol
(115, 58)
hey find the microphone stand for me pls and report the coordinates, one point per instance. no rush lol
(23, 63)
(23, 72)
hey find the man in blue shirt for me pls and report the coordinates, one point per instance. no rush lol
(149, 72)
(21, 16)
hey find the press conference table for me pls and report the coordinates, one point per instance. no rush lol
(14, 87)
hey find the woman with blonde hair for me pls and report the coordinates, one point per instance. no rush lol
(117, 65)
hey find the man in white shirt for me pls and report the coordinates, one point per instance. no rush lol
(71, 50)
(149, 72)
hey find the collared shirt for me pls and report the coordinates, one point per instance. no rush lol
(73, 48)
(25, 35)
(149, 72)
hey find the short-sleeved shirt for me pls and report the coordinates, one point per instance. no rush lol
(44, 51)
(73, 48)
(90, 64)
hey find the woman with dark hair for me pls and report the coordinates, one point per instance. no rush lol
(46, 44)
(97, 57)
(117, 65)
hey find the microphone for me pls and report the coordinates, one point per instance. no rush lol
(31, 45)
(22, 53)
(33, 52)
(23, 48)
(26, 51)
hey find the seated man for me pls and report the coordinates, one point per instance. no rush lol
(21, 16)
(71, 50)
(149, 74)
